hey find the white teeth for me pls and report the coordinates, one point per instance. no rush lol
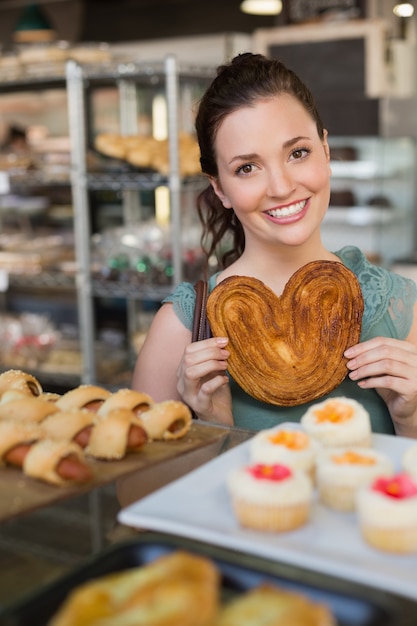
(288, 210)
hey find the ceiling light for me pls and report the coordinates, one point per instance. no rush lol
(403, 9)
(261, 7)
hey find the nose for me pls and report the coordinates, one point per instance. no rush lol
(280, 182)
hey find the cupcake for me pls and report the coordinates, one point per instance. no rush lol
(286, 446)
(387, 513)
(409, 461)
(338, 422)
(270, 498)
(341, 471)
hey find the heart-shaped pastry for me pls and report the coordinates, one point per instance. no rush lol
(288, 350)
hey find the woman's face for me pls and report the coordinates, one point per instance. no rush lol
(273, 170)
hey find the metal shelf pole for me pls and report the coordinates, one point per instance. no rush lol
(82, 228)
(172, 89)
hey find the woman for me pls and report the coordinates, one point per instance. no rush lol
(265, 153)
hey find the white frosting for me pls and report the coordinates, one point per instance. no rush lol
(409, 461)
(292, 490)
(348, 432)
(332, 472)
(377, 509)
(263, 449)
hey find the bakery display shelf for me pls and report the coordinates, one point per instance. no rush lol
(25, 179)
(359, 170)
(132, 180)
(146, 72)
(29, 83)
(42, 280)
(61, 380)
(350, 604)
(104, 288)
(360, 215)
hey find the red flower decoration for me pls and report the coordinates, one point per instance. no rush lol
(399, 486)
(269, 472)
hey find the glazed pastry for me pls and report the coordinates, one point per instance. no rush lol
(22, 381)
(167, 420)
(135, 401)
(46, 459)
(27, 409)
(111, 437)
(268, 605)
(288, 350)
(178, 588)
(89, 397)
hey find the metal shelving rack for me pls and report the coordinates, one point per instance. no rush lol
(78, 79)
(125, 77)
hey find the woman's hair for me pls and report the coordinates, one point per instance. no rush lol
(241, 83)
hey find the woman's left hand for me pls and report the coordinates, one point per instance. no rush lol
(390, 367)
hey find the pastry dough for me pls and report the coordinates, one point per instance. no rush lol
(22, 381)
(15, 433)
(268, 605)
(288, 350)
(131, 399)
(167, 420)
(109, 437)
(27, 409)
(44, 456)
(80, 397)
(67, 424)
(180, 588)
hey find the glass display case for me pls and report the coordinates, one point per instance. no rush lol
(372, 196)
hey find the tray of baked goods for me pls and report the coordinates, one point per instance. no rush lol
(158, 579)
(55, 446)
(325, 493)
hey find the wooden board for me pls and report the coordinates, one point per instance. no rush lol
(21, 495)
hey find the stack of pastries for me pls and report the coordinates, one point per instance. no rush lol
(53, 437)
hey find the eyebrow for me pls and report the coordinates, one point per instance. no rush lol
(253, 155)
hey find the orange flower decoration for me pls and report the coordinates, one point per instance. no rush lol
(293, 439)
(334, 411)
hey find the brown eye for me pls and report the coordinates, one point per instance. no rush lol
(298, 154)
(245, 169)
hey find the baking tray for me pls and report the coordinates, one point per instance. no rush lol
(352, 604)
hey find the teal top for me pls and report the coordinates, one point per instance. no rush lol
(389, 299)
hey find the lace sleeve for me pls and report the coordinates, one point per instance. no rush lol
(183, 300)
(389, 297)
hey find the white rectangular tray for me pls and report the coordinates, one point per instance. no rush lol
(198, 506)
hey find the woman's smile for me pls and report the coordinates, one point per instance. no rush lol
(287, 211)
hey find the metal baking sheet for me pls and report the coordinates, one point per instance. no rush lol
(198, 506)
(351, 604)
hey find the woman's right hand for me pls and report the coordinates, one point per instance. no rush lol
(202, 381)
